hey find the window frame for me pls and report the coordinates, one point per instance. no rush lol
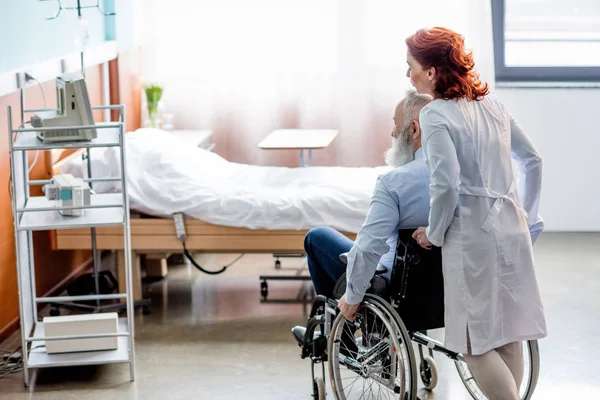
(507, 74)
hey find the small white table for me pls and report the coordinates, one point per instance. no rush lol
(196, 137)
(299, 139)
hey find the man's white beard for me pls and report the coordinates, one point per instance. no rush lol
(400, 153)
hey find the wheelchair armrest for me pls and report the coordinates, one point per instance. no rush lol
(378, 286)
(380, 268)
(340, 287)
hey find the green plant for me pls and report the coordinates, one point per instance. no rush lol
(153, 95)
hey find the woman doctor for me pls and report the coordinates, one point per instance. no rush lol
(492, 300)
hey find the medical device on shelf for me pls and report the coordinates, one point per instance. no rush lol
(72, 109)
(82, 324)
(70, 192)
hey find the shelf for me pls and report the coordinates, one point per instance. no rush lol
(52, 219)
(107, 137)
(40, 214)
(38, 358)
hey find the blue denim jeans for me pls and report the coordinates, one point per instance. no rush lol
(323, 247)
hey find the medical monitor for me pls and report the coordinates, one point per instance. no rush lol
(72, 109)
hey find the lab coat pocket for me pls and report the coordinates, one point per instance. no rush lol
(454, 232)
(512, 236)
(452, 255)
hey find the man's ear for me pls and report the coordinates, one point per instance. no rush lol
(415, 129)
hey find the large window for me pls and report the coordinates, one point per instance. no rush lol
(547, 40)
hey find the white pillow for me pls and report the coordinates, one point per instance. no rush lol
(150, 149)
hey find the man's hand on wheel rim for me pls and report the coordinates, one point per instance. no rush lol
(348, 310)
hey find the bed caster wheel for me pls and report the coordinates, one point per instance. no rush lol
(429, 372)
(54, 312)
(277, 264)
(264, 290)
(319, 389)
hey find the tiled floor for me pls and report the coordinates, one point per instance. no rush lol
(208, 337)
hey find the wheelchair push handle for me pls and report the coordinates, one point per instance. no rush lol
(378, 271)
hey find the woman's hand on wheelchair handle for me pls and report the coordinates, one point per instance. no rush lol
(421, 238)
(348, 310)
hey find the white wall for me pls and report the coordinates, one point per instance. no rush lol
(245, 68)
(565, 126)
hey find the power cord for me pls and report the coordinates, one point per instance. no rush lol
(11, 362)
(28, 77)
(178, 219)
(10, 193)
(195, 264)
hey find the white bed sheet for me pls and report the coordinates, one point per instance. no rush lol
(165, 176)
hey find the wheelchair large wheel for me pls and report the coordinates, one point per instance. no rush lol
(531, 358)
(373, 356)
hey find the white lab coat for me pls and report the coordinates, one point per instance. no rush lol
(485, 229)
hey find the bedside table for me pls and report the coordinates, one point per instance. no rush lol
(196, 137)
(299, 139)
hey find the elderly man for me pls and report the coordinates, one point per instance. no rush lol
(400, 201)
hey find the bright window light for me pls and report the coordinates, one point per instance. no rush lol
(552, 33)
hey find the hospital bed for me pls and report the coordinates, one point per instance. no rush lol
(229, 207)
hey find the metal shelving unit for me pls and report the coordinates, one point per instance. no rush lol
(31, 213)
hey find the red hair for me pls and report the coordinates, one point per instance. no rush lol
(444, 50)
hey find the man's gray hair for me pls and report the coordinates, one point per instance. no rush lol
(413, 103)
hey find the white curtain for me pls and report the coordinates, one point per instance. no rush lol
(243, 68)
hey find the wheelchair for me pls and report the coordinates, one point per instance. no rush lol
(373, 356)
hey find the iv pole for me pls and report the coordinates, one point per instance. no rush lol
(83, 75)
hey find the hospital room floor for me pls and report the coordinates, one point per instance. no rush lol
(208, 337)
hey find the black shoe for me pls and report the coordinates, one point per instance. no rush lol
(299, 332)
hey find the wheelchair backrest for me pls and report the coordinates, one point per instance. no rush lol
(416, 287)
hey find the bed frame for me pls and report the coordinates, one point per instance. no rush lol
(155, 237)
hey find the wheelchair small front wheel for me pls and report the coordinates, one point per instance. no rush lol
(531, 364)
(429, 373)
(319, 391)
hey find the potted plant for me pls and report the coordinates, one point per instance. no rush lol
(153, 95)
